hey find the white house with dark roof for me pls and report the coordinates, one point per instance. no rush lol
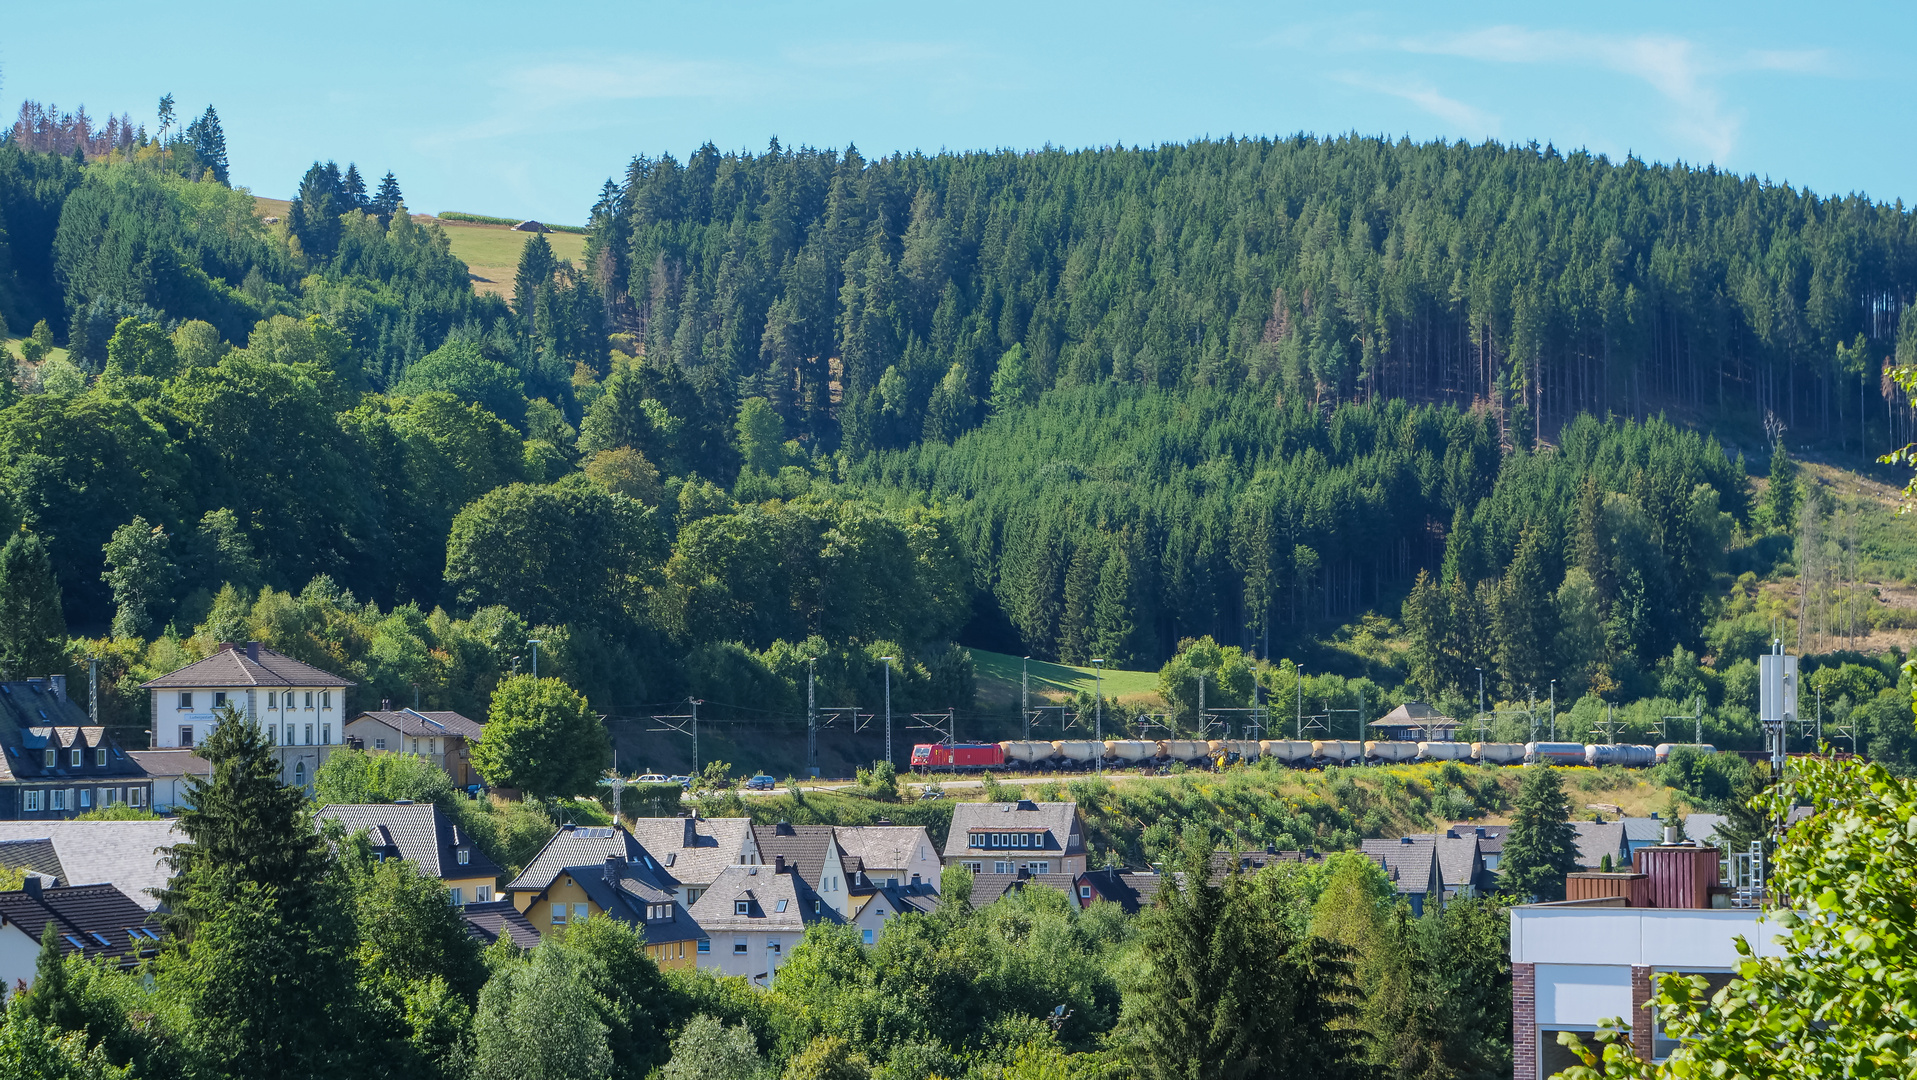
(301, 708)
(422, 834)
(753, 916)
(1005, 838)
(98, 922)
(693, 851)
(1412, 865)
(893, 856)
(442, 737)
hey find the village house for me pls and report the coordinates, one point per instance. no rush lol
(990, 888)
(442, 737)
(1412, 865)
(490, 921)
(1132, 890)
(752, 917)
(593, 870)
(1461, 863)
(166, 774)
(94, 921)
(1414, 721)
(1596, 839)
(1005, 838)
(55, 762)
(129, 855)
(298, 706)
(1578, 963)
(891, 855)
(422, 834)
(812, 853)
(693, 851)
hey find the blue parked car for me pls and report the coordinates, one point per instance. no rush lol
(761, 782)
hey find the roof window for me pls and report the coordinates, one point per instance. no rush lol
(779, 907)
(742, 907)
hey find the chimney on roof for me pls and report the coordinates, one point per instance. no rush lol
(778, 864)
(1024, 873)
(385, 704)
(1670, 835)
(612, 869)
(1404, 839)
(59, 684)
(253, 651)
(691, 837)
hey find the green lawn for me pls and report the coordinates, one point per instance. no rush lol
(998, 679)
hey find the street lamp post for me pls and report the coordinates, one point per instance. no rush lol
(888, 706)
(1098, 711)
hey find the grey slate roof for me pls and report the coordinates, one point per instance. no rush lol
(883, 847)
(765, 891)
(171, 764)
(34, 856)
(415, 722)
(36, 714)
(1703, 826)
(1250, 862)
(1058, 819)
(988, 888)
(1411, 862)
(1459, 861)
(1414, 714)
(805, 848)
(91, 920)
(1644, 830)
(1596, 839)
(123, 853)
(582, 846)
(624, 893)
(420, 833)
(488, 921)
(1131, 890)
(695, 850)
(245, 665)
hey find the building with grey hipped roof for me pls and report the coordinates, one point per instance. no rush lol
(424, 835)
(98, 922)
(442, 737)
(299, 707)
(130, 855)
(693, 851)
(753, 916)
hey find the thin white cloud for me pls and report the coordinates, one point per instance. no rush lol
(1687, 75)
(1465, 118)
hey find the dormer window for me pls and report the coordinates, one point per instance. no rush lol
(99, 757)
(79, 757)
(53, 757)
(186, 699)
(742, 907)
(465, 856)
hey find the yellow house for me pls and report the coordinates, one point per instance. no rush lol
(585, 871)
(424, 836)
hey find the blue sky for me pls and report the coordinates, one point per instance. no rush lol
(522, 109)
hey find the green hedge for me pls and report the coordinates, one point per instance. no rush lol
(482, 219)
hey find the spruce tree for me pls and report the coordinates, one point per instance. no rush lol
(1783, 495)
(353, 187)
(1116, 630)
(33, 631)
(1076, 632)
(387, 200)
(1541, 847)
(1525, 618)
(537, 264)
(243, 826)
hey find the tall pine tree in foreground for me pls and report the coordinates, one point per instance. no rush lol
(33, 631)
(1541, 847)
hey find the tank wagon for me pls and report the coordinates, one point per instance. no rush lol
(1554, 753)
(1445, 751)
(1390, 752)
(1498, 753)
(1629, 755)
(1663, 749)
(1338, 751)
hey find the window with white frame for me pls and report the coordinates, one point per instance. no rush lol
(78, 757)
(580, 911)
(136, 796)
(482, 894)
(868, 937)
(99, 757)
(309, 734)
(30, 800)
(186, 734)
(459, 896)
(186, 699)
(53, 757)
(86, 798)
(326, 699)
(1040, 867)
(299, 774)
(738, 946)
(326, 734)
(559, 914)
(219, 698)
(289, 734)
(309, 699)
(464, 855)
(59, 799)
(379, 744)
(742, 907)
(272, 700)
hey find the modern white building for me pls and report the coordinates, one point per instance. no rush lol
(1579, 963)
(298, 706)
(752, 918)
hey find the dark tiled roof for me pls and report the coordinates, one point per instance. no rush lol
(414, 722)
(1414, 714)
(1412, 863)
(1596, 839)
(488, 921)
(420, 833)
(1058, 819)
(167, 764)
(93, 920)
(36, 714)
(232, 666)
(805, 848)
(36, 855)
(987, 888)
(1129, 889)
(630, 897)
(1459, 861)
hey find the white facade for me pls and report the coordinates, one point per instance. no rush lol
(755, 954)
(291, 716)
(1582, 961)
(19, 956)
(892, 855)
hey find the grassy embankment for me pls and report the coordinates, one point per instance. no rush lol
(490, 252)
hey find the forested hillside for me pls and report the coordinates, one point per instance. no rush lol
(799, 412)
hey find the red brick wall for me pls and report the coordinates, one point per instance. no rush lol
(1641, 1010)
(1524, 1022)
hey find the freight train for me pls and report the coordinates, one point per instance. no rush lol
(1081, 754)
